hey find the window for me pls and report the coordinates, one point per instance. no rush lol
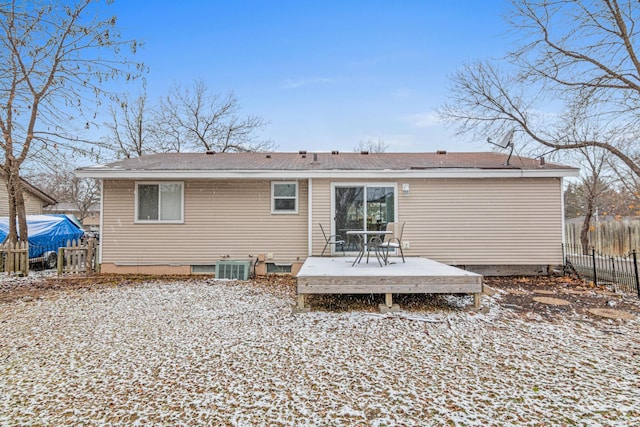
(203, 269)
(363, 206)
(284, 197)
(278, 268)
(159, 202)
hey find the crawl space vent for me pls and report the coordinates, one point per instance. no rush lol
(233, 270)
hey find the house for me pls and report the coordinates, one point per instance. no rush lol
(35, 200)
(183, 212)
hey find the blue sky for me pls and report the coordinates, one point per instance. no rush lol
(326, 75)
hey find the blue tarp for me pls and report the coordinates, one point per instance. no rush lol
(46, 232)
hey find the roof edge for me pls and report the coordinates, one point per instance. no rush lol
(36, 191)
(106, 173)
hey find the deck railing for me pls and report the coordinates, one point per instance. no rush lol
(621, 271)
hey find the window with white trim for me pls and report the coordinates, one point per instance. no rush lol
(159, 202)
(284, 197)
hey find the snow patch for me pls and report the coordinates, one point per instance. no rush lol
(214, 353)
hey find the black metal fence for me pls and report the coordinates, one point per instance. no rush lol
(600, 268)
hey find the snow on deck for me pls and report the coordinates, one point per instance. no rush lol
(220, 353)
(416, 275)
(414, 266)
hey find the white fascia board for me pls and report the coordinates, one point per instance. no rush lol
(105, 173)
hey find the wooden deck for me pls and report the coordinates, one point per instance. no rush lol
(336, 275)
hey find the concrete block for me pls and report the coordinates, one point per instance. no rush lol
(386, 309)
(487, 290)
(296, 310)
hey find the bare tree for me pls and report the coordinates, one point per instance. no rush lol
(594, 182)
(577, 67)
(372, 146)
(57, 59)
(84, 194)
(64, 186)
(629, 183)
(132, 127)
(192, 119)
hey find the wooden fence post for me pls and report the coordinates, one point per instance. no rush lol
(10, 260)
(91, 255)
(60, 260)
(24, 258)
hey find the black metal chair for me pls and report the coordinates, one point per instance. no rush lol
(332, 240)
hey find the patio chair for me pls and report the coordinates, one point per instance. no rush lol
(332, 240)
(393, 240)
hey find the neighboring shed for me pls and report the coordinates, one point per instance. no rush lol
(182, 213)
(35, 200)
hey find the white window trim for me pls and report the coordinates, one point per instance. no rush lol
(273, 198)
(159, 221)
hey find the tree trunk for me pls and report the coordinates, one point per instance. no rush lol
(12, 237)
(17, 212)
(584, 232)
(21, 212)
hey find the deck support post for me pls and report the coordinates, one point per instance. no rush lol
(388, 306)
(476, 300)
(300, 307)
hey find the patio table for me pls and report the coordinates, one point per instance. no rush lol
(369, 240)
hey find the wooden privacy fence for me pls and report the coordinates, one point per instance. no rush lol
(78, 257)
(14, 257)
(612, 237)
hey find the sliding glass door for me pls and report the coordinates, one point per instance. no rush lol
(362, 207)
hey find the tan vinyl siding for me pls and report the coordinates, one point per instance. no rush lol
(471, 221)
(222, 219)
(455, 221)
(321, 202)
(485, 221)
(32, 204)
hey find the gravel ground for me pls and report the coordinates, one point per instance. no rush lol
(222, 353)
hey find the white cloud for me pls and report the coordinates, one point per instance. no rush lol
(295, 84)
(422, 120)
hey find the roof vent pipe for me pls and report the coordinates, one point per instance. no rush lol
(542, 161)
(315, 157)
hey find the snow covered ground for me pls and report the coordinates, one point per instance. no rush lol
(223, 353)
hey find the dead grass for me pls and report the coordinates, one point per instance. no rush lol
(519, 294)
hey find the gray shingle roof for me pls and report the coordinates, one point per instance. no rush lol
(326, 161)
